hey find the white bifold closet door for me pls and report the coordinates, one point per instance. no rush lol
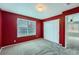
(51, 30)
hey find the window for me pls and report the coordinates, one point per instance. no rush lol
(25, 27)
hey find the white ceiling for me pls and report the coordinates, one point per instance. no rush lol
(28, 9)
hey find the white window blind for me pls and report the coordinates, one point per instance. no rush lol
(25, 27)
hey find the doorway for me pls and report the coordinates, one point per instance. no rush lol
(72, 31)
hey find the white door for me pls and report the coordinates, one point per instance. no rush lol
(51, 30)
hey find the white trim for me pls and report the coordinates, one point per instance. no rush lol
(65, 31)
(11, 45)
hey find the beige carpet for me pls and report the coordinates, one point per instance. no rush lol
(37, 47)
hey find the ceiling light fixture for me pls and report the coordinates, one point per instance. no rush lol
(40, 7)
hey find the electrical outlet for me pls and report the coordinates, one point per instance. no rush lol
(14, 40)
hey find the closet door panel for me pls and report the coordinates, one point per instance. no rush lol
(51, 30)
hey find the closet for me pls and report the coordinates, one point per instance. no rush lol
(72, 31)
(51, 30)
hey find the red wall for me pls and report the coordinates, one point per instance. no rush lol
(0, 28)
(71, 11)
(62, 30)
(9, 28)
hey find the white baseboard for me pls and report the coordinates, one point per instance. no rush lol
(17, 43)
